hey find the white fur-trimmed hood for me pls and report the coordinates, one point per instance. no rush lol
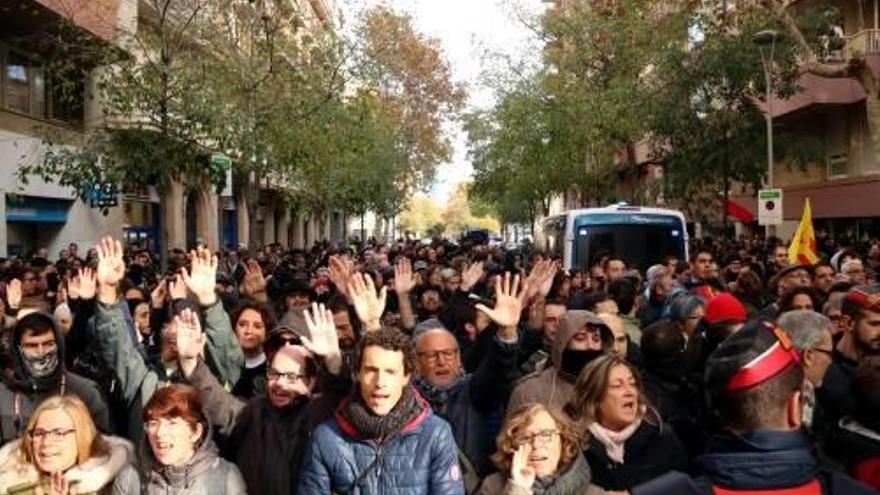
(91, 476)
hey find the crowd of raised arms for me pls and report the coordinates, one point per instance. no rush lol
(438, 368)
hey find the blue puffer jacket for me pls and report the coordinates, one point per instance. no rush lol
(421, 459)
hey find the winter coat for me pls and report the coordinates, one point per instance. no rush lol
(574, 480)
(857, 447)
(95, 476)
(835, 394)
(206, 473)
(763, 460)
(677, 400)
(21, 394)
(265, 442)
(136, 381)
(421, 458)
(651, 451)
(550, 386)
(473, 404)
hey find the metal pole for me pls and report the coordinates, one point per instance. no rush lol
(768, 81)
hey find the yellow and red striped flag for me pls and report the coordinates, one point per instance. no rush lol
(802, 250)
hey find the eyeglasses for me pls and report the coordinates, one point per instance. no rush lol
(55, 434)
(433, 357)
(543, 437)
(274, 375)
(827, 352)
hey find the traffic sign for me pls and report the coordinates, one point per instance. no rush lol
(770, 207)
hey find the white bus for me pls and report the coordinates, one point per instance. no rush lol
(641, 236)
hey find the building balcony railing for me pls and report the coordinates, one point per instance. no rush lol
(865, 42)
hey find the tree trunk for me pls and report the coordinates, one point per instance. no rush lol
(174, 216)
(363, 231)
(253, 203)
(242, 215)
(206, 214)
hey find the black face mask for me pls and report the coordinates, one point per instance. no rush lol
(574, 361)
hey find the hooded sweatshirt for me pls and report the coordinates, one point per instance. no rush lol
(21, 394)
(551, 385)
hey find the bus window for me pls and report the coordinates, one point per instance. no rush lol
(640, 245)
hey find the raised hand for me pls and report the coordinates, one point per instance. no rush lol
(323, 340)
(111, 265)
(367, 303)
(203, 280)
(520, 472)
(88, 283)
(13, 293)
(471, 275)
(404, 279)
(111, 269)
(73, 287)
(190, 341)
(509, 298)
(157, 297)
(177, 288)
(254, 282)
(341, 270)
(540, 279)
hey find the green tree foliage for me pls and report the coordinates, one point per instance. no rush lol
(683, 77)
(327, 123)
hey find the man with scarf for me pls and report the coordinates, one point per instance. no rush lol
(38, 353)
(754, 381)
(385, 437)
(267, 435)
(581, 337)
(473, 403)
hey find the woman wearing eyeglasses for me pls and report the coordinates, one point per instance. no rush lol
(539, 453)
(267, 435)
(179, 456)
(628, 442)
(62, 453)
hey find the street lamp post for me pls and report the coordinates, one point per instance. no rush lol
(762, 39)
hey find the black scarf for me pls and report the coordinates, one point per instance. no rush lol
(373, 427)
(574, 361)
(436, 396)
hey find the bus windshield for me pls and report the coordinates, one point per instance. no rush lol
(640, 239)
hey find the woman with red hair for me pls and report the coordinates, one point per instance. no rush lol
(179, 455)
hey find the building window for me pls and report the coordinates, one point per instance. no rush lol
(837, 165)
(17, 90)
(38, 92)
(25, 87)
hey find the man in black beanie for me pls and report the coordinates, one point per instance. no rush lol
(754, 382)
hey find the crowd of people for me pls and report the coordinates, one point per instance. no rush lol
(438, 368)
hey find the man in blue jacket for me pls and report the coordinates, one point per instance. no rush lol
(384, 438)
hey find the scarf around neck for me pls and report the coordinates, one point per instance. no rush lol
(614, 441)
(573, 479)
(374, 427)
(437, 396)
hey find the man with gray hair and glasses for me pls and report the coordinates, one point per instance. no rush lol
(810, 333)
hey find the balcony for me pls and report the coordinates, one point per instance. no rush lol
(865, 42)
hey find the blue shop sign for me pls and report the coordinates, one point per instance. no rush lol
(37, 210)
